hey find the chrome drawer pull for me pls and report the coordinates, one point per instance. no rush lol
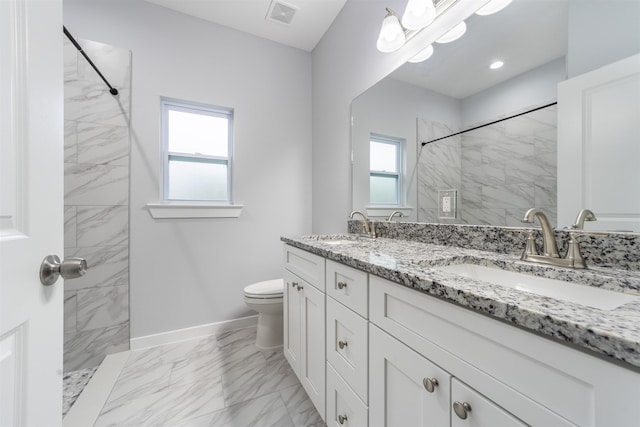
(430, 384)
(461, 409)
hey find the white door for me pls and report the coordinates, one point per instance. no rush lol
(598, 149)
(31, 211)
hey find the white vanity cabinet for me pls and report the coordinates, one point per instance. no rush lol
(304, 321)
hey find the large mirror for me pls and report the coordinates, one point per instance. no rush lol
(491, 175)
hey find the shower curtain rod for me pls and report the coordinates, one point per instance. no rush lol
(489, 124)
(112, 90)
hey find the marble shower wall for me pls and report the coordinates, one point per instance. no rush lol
(96, 185)
(505, 169)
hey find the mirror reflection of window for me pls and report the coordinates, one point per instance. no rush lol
(385, 182)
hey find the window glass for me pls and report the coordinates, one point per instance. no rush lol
(196, 151)
(385, 170)
(384, 156)
(384, 190)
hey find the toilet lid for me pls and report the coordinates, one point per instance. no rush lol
(267, 289)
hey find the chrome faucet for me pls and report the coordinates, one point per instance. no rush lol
(573, 258)
(394, 213)
(365, 220)
(584, 215)
(549, 244)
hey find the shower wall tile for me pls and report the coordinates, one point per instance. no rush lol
(86, 184)
(70, 226)
(107, 266)
(504, 169)
(87, 349)
(97, 147)
(102, 144)
(70, 312)
(102, 307)
(70, 141)
(102, 225)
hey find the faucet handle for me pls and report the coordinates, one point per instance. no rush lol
(531, 248)
(584, 215)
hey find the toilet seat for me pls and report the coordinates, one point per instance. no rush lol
(269, 289)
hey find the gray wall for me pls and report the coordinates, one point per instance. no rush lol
(609, 27)
(96, 181)
(191, 272)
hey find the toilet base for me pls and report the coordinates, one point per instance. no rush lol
(270, 331)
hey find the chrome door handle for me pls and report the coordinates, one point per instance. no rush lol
(51, 268)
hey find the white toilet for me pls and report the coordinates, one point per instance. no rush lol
(266, 298)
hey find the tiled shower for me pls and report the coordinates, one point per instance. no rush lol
(96, 199)
(500, 170)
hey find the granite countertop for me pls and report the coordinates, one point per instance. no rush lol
(610, 333)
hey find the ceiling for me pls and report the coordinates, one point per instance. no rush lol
(525, 35)
(311, 18)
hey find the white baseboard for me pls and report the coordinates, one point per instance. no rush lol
(191, 333)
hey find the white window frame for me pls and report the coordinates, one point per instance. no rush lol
(168, 104)
(400, 144)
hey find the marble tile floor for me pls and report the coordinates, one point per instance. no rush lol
(221, 380)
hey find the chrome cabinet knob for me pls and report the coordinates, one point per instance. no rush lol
(299, 287)
(294, 284)
(430, 384)
(342, 344)
(342, 419)
(342, 285)
(51, 268)
(461, 409)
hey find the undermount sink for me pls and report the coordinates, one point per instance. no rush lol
(581, 294)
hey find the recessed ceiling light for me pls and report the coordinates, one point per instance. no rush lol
(496, 65)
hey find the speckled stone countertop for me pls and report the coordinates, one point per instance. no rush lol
(610, 333)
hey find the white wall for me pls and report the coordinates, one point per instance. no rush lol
(391, 108)
(186, 273)
(345, 64)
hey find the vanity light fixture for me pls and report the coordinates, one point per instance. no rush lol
(492, 7)
(423, 55)
(418, 14)
(392, 36)
(495, 65)
(453, 34)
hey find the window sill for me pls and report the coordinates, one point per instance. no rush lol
(385, 211)
(178, 210)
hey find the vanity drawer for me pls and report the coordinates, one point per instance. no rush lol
(349, 286)
(307, 266)
(344, 408)
(347, 346)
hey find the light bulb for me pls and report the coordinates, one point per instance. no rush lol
(418, 14)
(391, 36)
(453, 34)
(423, 55)
(492, 7)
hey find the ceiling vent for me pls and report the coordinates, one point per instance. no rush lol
(280, 12)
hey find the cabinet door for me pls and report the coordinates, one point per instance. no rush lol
(471, 409)
(398, 381)
(344, 408)
(312, 346)
(291, 319)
